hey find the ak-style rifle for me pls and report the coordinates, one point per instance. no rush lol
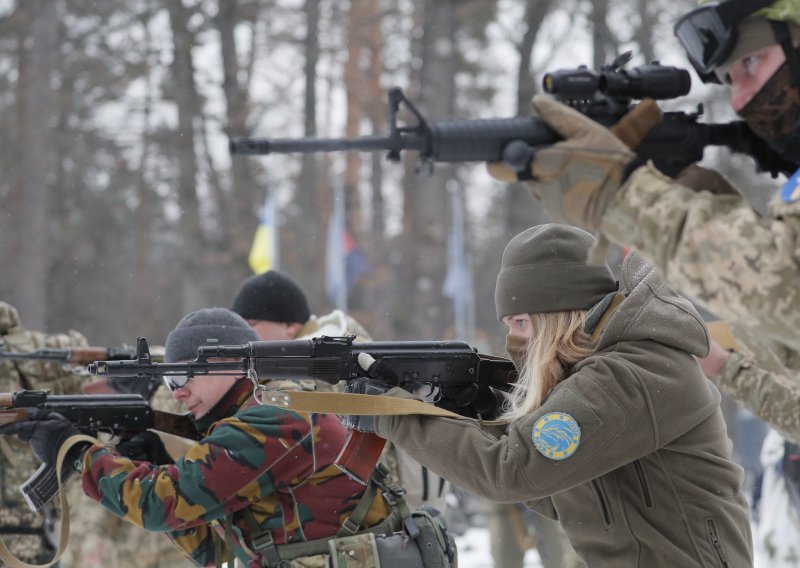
(458, 378)
(123, 415)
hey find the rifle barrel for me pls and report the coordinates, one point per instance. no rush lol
(310, 145)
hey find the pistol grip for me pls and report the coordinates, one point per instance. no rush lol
(41, 487)
(359, 455)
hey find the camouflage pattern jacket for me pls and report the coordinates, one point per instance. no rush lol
(741, 266)
(717, 249)
(276, 463)
(764, 376)
(23, 529)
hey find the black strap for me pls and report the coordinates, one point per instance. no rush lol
(734, 11)
(261, 541)
(784, 37)
(38, 531)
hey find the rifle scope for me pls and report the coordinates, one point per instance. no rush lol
(654, 80)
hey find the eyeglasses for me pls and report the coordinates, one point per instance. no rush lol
(175, 382)
(708, 33)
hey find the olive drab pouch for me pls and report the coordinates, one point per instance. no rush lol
(423, 543)
(436, 546)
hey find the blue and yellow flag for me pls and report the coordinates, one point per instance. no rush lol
(264, 253)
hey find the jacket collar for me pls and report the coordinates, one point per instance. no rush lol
(229, 404)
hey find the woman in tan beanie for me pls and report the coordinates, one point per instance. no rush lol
(612, 428)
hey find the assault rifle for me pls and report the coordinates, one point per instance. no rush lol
(83, 356)
(458, 378)
(604, 96)
(122, 415)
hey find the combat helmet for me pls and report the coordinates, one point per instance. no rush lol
(717, 34)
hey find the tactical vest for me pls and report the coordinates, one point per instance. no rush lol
(405, 539)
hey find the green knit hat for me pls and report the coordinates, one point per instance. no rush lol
(544, 269)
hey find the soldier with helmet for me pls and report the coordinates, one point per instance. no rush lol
(713, 247)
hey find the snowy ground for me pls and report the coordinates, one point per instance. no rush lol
(474, 551)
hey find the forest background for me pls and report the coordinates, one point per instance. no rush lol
(121, 209)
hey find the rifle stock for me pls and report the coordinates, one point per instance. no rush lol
(117, 414)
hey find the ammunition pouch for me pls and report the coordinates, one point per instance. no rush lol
(404, 539)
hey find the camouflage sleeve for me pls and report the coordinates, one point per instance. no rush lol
(772, 397)
(715, 248)
(243, 459)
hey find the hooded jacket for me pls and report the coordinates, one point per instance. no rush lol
(639, 469)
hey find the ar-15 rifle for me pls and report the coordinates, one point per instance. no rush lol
(82, 356)
(462, 380)
(605, 96)
(122, 415)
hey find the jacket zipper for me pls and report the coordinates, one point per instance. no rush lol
(648, 500)
(713, 537)
(605, 507)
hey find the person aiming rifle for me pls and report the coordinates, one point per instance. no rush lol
(259, 487)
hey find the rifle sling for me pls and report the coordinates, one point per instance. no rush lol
(7, 556)
(358, 404)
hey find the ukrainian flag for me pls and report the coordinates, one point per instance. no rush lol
(264, 251)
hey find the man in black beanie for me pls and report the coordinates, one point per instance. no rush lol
(276, 307)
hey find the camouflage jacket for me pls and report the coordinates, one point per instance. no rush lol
(716, 249)
(276, 463)
(764, 376)
(22, 529)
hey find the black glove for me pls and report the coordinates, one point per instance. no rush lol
(145, 446)
(45, 431)
(362, 386)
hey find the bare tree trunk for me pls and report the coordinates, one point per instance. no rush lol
(302, 241)
(240, 221)
(602, 37)
(37, 160)
(187, 101)
(424, 249)
(648, 19)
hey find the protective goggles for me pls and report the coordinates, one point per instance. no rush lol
(708, 33)
(175, 382)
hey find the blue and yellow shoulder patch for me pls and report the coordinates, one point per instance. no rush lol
(556, 435)
(790, 192)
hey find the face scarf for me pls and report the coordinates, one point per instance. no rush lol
(517, 348)
(774, 113)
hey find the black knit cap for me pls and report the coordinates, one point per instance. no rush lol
(211, 326)
(544, 269)
(272, 296)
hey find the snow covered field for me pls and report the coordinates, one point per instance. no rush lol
(474, 551)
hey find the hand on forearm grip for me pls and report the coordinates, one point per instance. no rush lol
(145, 446)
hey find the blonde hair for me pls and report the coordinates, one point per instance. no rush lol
(558, 342)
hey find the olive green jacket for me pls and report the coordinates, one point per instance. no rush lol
(644, 477)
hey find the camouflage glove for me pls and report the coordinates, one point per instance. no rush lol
(45, 431)
(577, 178)
(145, 446)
